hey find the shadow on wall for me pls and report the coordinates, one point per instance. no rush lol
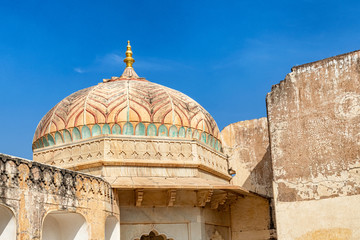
(261, 181)
(112, 228)
(261, 176)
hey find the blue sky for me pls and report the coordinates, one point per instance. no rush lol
(224, 54)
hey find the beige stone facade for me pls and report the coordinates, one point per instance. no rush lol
(133, 160)
(34, 192)
(314, 117)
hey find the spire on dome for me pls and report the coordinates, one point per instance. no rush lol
(129, 72)
(129, 59)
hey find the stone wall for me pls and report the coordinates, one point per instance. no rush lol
(32, 190)
(184, 214)
(251, 219)
(247, 145)
(314, 119)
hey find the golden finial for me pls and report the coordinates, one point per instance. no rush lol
(129, 72)
(129, 60)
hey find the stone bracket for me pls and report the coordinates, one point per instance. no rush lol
(218, 199)
(139, 196)
(171, 197)
(203, 197)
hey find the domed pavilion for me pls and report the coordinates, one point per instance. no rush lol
(158, 148)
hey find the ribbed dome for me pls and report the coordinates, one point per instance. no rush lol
(126, 107)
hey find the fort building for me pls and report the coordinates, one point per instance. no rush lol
(134, 160)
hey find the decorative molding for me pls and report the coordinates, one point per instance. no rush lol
(203, 197)
(171, 197)
(57, 181)
(231, 198)
(144, 150)
(218, 199)
(139, 196)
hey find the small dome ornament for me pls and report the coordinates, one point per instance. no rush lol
(129, 72)
(129, 60)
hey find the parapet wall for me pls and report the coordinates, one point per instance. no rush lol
(32, 190)
(314, 119)
(247, 145)
(129, 151)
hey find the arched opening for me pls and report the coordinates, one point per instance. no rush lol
(112, 229)
(140, 129)
(7, 224)
(96, 130)
(76, 134)
(153, 236)
(85, 132)
(151, 130)
(67, 136)
(128, 129)
(116, 129)
(64, 226)
(163, 131)
(106, 129)
(182, 132)
(50, 140)
(173, 132)
(58, 138)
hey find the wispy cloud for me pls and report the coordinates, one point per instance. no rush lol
(79, 70)
(113, 62)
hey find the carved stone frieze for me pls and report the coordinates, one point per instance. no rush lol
(135, 151)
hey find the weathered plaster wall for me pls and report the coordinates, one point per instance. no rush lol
(251, 219)
(327, 219)
(314, 117)
(247, 145)
(33, 190)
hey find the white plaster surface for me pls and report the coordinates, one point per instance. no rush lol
(64, 226)
(112, 229)
(178, 223)
(7, 224)
(296, 219)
